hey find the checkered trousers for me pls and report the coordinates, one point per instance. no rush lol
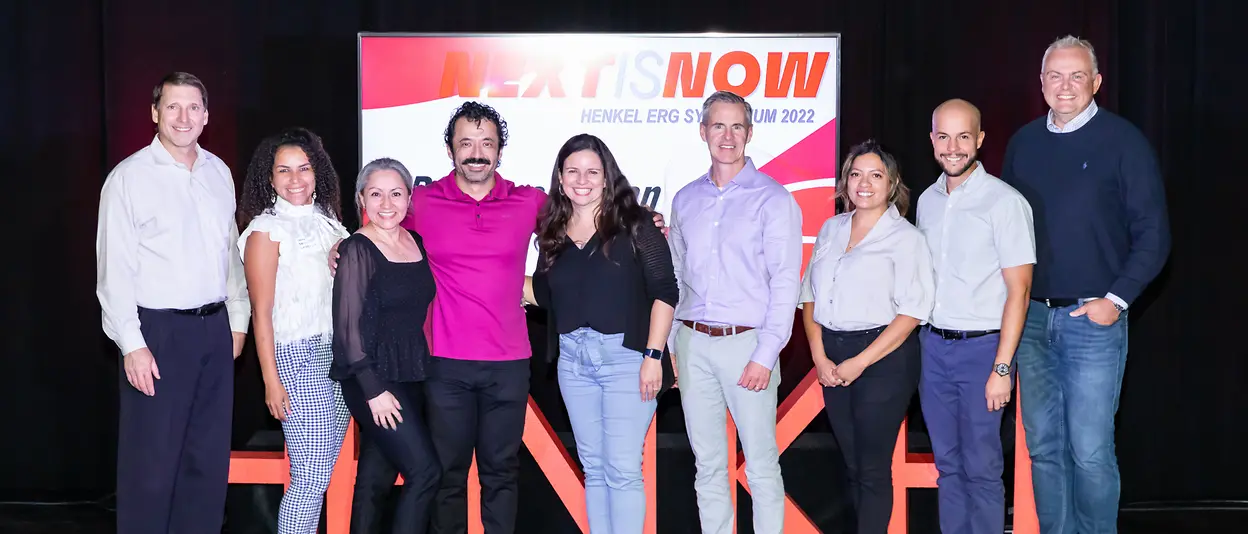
(314, 430)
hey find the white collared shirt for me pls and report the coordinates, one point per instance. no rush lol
(1073, 124)
(303, 294)
(889, 273)
(165, 240)
(973, 232)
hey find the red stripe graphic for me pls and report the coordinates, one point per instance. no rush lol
(812, 158)
(397, 71)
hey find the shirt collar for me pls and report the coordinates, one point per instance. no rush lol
(891, 216)
(282, 207)
(1075, 123)
(970, 183)
(743, 177)
(163, 157)
(887, 221)
(450, 188)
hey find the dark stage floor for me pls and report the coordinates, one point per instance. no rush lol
(97, 520)
(809, 474)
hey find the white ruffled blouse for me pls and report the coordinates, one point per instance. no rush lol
(303, 295)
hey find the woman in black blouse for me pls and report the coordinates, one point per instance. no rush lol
(382, 290)
(604, 273)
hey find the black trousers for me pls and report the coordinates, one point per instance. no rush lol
(406, 450)
(173, 448)
(477, 405)
(374, 482)
(866, 417)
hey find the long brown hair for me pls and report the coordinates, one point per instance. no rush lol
(619, 211)
(898, 193)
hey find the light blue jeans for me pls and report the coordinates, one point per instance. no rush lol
(601, 385)
(1070, 373)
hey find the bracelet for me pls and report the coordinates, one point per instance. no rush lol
(654, 354)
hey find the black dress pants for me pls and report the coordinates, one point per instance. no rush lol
(477, 406)
(866, 417)
(173, 448)
(406, 450)
(374, 483)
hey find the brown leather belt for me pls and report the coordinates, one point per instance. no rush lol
(716, 331)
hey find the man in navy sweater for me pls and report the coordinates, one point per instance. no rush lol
(1102, 234)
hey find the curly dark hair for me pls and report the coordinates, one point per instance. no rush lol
(618, 213)
(258, 194)
(476, 112)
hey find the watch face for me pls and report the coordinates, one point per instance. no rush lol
(1002, 369)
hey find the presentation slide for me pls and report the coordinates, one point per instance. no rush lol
(642, 94)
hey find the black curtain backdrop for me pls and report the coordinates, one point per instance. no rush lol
(75, 100)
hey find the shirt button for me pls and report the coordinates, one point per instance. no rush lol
(716, 223)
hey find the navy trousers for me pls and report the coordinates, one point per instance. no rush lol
(173, 448)
(966, 437)
(866, 417)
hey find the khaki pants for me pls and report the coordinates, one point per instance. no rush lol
(709, 369)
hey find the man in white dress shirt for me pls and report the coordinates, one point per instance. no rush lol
(983, 245)
(174, 299)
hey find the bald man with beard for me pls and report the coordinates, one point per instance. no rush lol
(981, 235)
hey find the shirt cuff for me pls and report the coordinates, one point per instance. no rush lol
(131, 341)
(765, 355)
(369, 383)
(1121, 303)
(239, 322)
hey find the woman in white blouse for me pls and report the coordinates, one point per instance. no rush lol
(289, 209)
(868, 287)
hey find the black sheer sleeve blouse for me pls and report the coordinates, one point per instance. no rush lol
(379, 310)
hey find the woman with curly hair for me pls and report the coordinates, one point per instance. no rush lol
(289, 212)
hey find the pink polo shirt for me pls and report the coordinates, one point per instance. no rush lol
(477, 252)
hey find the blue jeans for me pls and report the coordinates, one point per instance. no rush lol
(966, 437)
(1070, 375)
(600, 381)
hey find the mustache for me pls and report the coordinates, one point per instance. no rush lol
(476, 161)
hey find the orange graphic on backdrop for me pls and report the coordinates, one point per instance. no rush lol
(795, 413)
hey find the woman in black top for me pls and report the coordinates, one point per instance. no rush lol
(604, 272)
(382, 290)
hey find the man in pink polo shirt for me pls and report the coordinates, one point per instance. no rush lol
(476, 227)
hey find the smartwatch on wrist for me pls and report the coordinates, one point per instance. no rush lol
(654, 354)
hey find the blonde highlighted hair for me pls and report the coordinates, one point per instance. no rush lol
(898, 193)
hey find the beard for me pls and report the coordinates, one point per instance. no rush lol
(954, 171)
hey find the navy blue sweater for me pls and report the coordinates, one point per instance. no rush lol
(1099, 207)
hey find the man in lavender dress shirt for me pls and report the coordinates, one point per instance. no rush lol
(736, 238)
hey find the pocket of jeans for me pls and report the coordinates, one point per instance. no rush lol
(1099, 325)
